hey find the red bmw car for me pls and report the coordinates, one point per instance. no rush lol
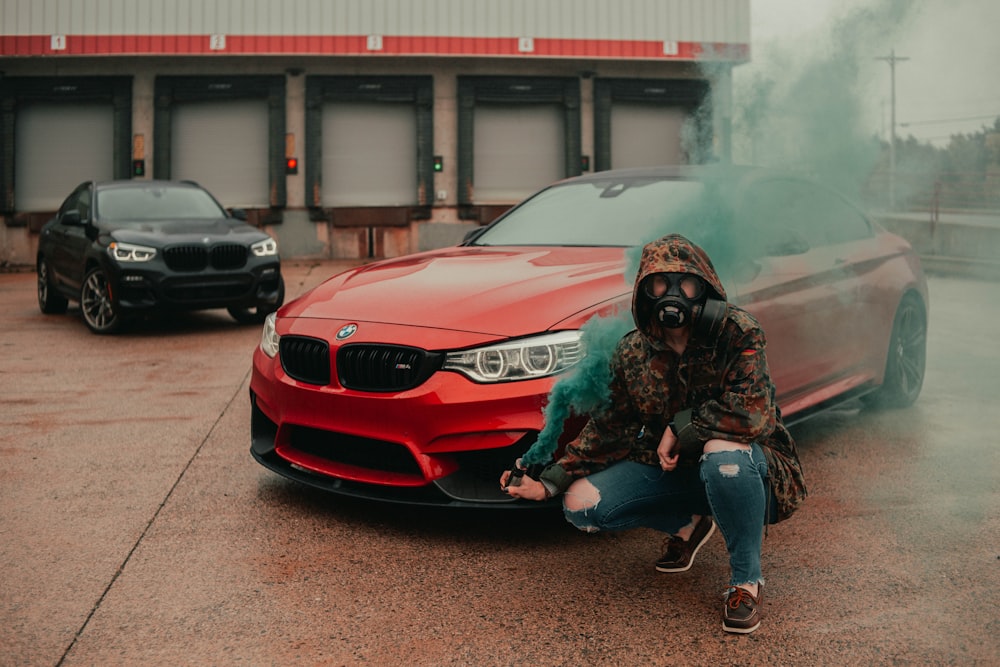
(420, 379)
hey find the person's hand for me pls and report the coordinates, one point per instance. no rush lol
(505, 476)
(529, 489)
(668, 450)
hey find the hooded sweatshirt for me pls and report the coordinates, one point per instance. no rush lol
(719, 387)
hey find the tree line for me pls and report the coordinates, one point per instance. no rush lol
(962, 175)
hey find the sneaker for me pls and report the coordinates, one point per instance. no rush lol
(740, 613)
(678, 555)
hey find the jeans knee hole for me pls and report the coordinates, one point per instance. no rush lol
(581, 519)
(729, 470)
(581, 502)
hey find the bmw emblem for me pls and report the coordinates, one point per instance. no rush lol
(346, 331)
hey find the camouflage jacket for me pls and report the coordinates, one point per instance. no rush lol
(718, 388)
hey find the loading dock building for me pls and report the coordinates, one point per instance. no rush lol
(354, 128)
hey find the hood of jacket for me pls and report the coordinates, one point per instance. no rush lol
(672, 254)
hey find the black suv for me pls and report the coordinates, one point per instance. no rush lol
(124, 248)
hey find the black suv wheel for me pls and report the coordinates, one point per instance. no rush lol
(257, 315)
(50, 302)
(97, 303)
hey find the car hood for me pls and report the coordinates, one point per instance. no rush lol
(160, 233)
(503, 292)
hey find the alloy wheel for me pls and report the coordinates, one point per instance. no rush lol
(49, 301)
(907, 361)
(97, 303)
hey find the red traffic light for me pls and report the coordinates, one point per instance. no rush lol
(291, 165)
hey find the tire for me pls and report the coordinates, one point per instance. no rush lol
(100, 311)
(257, 315)
(907, 359)
(50, 301)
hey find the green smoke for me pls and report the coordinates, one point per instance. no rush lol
(802, 112)
(584, 390)
(802, 109)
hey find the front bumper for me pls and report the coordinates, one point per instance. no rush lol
(444, 443)
(257, 285)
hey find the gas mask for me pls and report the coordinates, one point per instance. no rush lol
(676, 300)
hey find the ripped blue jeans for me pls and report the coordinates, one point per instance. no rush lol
(729, 485)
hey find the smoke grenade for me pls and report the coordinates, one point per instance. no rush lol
(584, 390)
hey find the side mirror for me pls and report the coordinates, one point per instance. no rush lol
(746, 271)
(472, 235)
(238, 213)
(790, 243)
(71, 217)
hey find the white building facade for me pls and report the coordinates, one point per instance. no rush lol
(354, 128)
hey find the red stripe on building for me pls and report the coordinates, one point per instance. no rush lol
(392, 45)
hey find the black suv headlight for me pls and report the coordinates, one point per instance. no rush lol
(265, 248)
(129, 253)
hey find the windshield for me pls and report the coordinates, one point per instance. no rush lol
(156, 203)
(595, 213)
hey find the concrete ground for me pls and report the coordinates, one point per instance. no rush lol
(135, 528)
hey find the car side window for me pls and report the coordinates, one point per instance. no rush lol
(78, 201)
(69, 204)
(837, 221)
(775, 212)
(83, 204)
(789, 217)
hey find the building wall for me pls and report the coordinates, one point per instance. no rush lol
(585, 41)
(567, 28)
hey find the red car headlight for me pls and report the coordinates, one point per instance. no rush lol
(269, 337)
(522, 359)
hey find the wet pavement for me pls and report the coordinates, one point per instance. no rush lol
(135, 528)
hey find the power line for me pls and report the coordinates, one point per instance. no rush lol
(948, 120)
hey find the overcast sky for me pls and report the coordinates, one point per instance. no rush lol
(950, 84)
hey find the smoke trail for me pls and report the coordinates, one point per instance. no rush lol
(804, 109)
(584, 390)
(802, 113)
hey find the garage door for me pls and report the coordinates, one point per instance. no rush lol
(369, 154)
(57, 147)
(223, 146)
(518, 150)
(646, 135)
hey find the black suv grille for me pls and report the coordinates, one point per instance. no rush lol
(385, 367)
(223, 257)
(305, 359)
(186, 257)
(229, 256)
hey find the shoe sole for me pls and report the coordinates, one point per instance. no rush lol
(711, 531)
(740, 631)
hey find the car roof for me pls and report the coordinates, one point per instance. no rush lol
(144, 183)
(683, 172)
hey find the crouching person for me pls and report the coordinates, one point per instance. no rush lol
(692, 438)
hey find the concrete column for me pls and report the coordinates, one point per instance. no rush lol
(142, 117)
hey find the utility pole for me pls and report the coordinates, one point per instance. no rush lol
(892, 59)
